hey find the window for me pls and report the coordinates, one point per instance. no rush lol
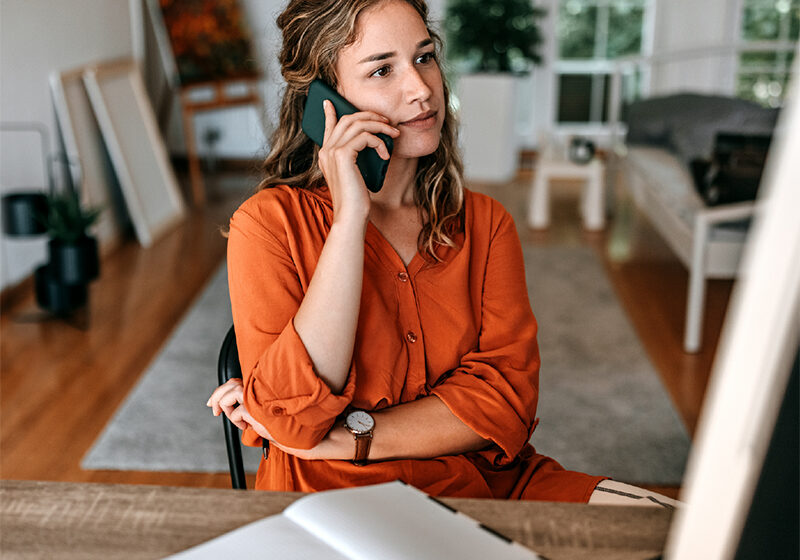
(591, 34)
(769, 28)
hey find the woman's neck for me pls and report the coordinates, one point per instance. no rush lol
(398, 186)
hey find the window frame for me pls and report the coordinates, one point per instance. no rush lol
(780, 46)
(601, 69)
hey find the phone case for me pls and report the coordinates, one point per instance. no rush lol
(372, 166)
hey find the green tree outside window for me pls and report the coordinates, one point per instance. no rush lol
(764, 75)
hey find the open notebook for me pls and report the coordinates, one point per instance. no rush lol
(387, 521)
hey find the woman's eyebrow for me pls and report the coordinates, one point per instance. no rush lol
(384, 56)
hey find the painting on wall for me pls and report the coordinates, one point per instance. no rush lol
(209, 40)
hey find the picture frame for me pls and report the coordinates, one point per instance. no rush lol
(82, 143)
(138, 153)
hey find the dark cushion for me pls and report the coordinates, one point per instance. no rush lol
(733, 174)
(687, 123)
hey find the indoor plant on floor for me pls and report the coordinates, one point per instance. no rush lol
(61, 284)
(492, 42)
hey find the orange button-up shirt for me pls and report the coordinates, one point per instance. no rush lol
(462, 330)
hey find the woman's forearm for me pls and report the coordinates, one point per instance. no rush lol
(327, 318)
(421, 429)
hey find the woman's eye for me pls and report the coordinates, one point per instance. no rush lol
(426, 58)
(382, 71)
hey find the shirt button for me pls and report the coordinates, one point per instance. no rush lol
(411, 337)
(403, 277)
(278, 410)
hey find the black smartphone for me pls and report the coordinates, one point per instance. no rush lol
(372, 166)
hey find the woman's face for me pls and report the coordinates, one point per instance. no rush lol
(391, 69)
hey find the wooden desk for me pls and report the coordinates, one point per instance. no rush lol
(81, 521)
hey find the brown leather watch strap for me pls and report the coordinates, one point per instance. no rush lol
(363, 442)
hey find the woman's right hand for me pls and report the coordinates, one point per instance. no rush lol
(342, 141)
(228, 399)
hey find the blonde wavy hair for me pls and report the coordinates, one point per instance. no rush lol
(314, 32)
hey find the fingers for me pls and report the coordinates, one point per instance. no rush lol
(330, 120)
(253, 423)
(236, 418)
(230, 400)
(351, 126)
(234, 384)
(374, 142)
(349, 131)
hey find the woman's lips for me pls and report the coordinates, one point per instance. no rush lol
(422, 122)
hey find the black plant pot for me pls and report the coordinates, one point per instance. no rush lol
(22, 213)
(74, 263)
(56, 297)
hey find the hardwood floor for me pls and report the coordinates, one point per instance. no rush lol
(59, 385)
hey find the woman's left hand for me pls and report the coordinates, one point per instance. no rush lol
(228, 399)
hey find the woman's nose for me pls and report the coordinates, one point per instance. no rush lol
(416, 87)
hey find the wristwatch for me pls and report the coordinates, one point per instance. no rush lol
(361, 424)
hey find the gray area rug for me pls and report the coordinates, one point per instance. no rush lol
(164, 424)
(602, 408)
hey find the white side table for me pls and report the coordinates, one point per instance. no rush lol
(553, 164)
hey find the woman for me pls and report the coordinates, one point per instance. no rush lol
(382, 335)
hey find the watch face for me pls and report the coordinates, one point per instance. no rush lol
(360, 421)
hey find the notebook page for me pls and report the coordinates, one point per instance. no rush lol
(272, 537)
(394, 521)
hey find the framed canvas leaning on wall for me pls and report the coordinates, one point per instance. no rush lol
(140, 159)
(82, 141)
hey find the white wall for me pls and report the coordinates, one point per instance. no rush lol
(685, 25)
(536, 102)
(36, 38)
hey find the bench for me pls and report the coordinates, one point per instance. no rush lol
(664, 134)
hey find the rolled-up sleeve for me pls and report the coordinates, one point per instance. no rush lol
(495, 389)
(281, 389)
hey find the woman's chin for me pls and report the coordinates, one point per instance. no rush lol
(415, 149)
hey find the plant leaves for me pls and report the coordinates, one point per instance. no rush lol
(66, 219)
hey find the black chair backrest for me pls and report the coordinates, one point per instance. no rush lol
(227, 368)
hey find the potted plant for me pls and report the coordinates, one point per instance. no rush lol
(61, 284)
(492, 42)
(74, 257)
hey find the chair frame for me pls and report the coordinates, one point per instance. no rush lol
(228, 368)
